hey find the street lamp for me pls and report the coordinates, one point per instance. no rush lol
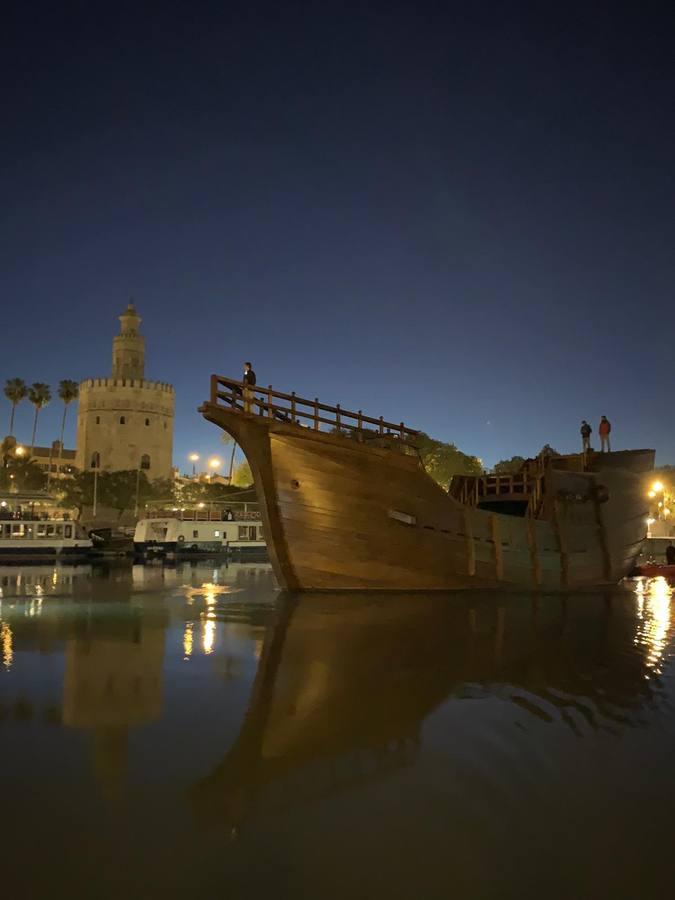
(19, 451)
(95, 465)
(194, 457)
(215, 463)
(657, 487)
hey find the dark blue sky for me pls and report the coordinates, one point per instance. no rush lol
(459, 215)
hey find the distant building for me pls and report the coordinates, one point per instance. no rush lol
(50, 458)
(125, 421)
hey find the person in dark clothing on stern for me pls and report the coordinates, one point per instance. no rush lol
(249, 384)
(585, 435)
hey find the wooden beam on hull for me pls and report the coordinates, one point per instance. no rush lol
(534, 553)
(470, 546)
(562, 543)
(497, 547)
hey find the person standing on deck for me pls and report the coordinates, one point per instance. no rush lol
(585, 436)
(604, 430)
(249, 384)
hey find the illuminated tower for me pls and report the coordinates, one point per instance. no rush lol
(125, 421)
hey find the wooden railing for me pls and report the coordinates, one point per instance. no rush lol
(299, 411)
(528, 485)
(203, 515)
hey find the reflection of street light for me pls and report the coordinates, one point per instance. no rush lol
(657, 487)
(652, 494)
(194, 457)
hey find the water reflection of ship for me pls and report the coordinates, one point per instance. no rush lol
(344, 684)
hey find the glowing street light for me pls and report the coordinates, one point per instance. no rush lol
(657, 487)
(194, 457)
(215, 463)
(652, 494)
(19, 451)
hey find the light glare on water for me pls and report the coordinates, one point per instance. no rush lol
(189, 732)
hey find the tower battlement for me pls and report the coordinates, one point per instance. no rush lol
(137, 383)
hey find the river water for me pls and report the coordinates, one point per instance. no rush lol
(191, 732)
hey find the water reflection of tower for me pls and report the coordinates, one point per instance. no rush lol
(113, 682)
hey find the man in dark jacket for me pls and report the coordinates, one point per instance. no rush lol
(585, 435)
(249, 383)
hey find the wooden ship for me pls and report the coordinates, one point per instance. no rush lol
(346, 504)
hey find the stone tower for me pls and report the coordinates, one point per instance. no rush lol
(126, 422)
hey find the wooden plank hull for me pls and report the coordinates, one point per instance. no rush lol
(342, 515)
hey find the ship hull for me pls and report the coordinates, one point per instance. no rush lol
(342, 515)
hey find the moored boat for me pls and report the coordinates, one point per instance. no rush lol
(194, 532)
(28, 539)
(347, 504)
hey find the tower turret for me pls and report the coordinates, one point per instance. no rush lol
(129, 347)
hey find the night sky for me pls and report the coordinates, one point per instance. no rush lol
(459, 215)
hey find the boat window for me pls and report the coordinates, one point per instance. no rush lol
(243, 532)
(216, 533)
(41, 530)
(59, 530)
(123, 420)
(50, 530)
(252, 532)
(68, 531)
(145, 461)
(17, 530)
(260, 533)
(8, 530)
(195, 533)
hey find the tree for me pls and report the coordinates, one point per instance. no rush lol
(22, 473)
(122, 487)
(15, 391)
(39, 395)
(442, 460)
(78, 491)
(509, 466)
(227, 439)
(242, 475)
(68, 391)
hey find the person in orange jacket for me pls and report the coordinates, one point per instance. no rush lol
(604, 430)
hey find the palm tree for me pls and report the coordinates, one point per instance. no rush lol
(39, 395)
(68, 391)
(228, 439)
(15, 391)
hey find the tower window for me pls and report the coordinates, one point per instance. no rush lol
(96, 460)
(147, 421)
(145, 461)
(123, 420)
(98, 420)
